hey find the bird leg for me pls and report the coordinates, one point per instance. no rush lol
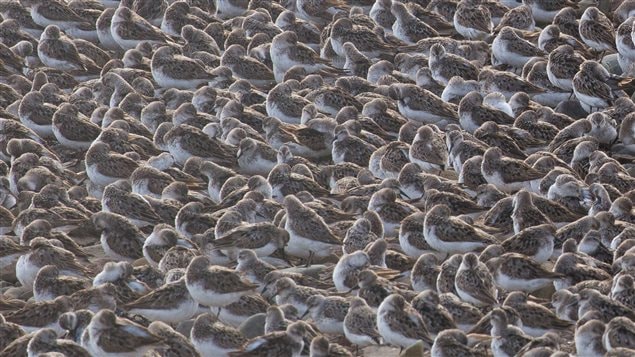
(309, 260)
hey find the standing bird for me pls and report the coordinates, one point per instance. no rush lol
(129, 29)
(214, 285)
(360, 326)
(57, 51)
(474, 283)
(507, 340)
(245, 67)
(278, 343)
(596, 30)
(444, 65)
(510, 49)
(473, 20)
(286, 52)
(171, 69)
(407, 27)
(400, 324)
(595, 87)
(428, 149)
(309, 234)
(366, 41)
(108, 335)
(449, 234)
(509, 174)
(562, 65)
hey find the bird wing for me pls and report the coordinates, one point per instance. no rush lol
(517, 171)
(126, 338)
(247, 237)
(186, 68)
(162, 298)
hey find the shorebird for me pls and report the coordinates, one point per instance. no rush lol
(595, 87)
(423, 106)
(213, 338)
(42, 253)
(449, 234)
(57, 51)
(108, 334)
(360, 324)
(289, 342)
(596, 30)
(171, 69)
(309, 234)
(408, 27)
(169, 303)
(46, 13)
(120, 238)
(287, 52)
(472, 20)
(474, 283)
(399, 324)
(508, 174)
(214, 285)
(129, 29)
(46, 341)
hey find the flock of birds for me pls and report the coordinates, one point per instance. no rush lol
(317, 177)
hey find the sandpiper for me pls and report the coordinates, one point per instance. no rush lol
(120, 238)
(169, 303)
(474, 283)
(510, 49)
(215, 285)
(399, 324)
(212, 338)
(449, 234)
(596, 30)
(171, 69)
(472, 20)
(594, 86)
(360, 326)
(318, 240)
(108, 334)
(328, 313)
(129, 29)
(45, 341)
